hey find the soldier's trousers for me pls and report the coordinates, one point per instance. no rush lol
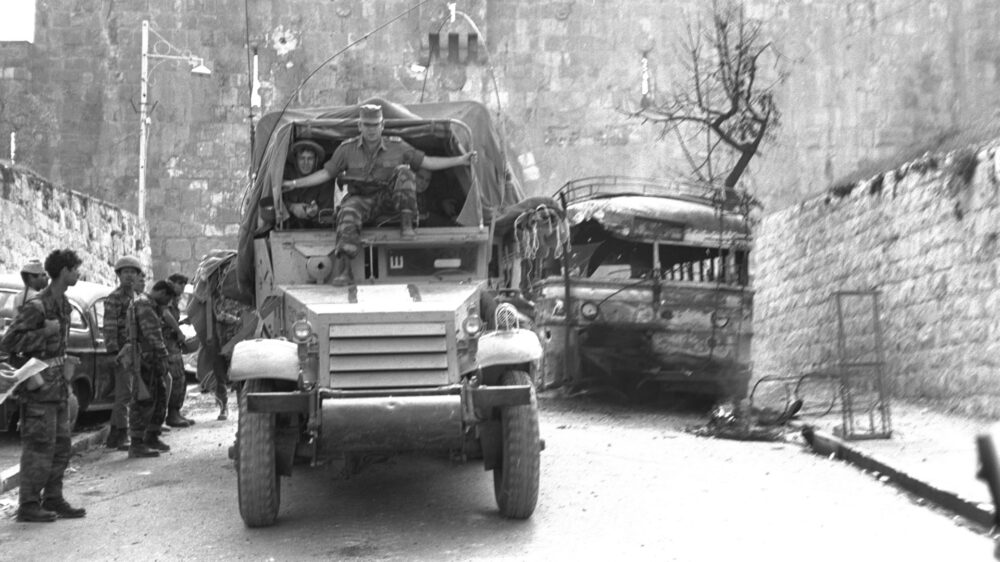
(220, 370)
(178, 386)
(45, 449)
(147, 413)
(356, 209)
(123, 394)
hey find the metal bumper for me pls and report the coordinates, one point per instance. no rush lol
(401, 421)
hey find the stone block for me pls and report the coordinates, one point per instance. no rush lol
(178, 249)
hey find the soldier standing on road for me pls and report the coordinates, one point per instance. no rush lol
(35, 279)
(116, 307)
(174, 339)
(41, 331)
(380, 172)
(148, 406)
(229, 318)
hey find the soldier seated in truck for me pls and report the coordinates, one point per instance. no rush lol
(381, 175)
(310, 206)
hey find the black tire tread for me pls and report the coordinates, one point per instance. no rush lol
(515, 480)
(256, 468)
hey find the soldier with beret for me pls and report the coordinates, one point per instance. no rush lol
(41, 331)
(380, 173)
(174, 338)
(148, 406)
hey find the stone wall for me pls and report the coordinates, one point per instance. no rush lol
(866, 78)
(38, 217)
(927, 237)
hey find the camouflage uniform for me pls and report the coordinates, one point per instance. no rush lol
(147, 413)
(115, 337)
(228, 316)
(378, 182)
(175, 357)
(45, 427)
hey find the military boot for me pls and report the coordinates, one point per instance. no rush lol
(117, 437)
(139, 449)
(341, 270)
(33, 512)
(63, 509)
(153, 442)
(174, 419)
(406, 224)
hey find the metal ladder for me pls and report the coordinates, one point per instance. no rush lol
(861, 366)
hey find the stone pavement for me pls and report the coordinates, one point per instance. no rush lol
(930, 454)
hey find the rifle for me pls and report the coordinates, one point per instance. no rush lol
(129, 355)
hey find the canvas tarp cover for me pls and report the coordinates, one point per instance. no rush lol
(494, 185)
(616, 214)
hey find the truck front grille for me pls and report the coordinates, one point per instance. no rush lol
(388, 355)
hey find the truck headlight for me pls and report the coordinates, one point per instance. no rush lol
(719, 320)
(302, 330)
(472, 325)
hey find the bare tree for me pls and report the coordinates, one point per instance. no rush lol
(719, 109)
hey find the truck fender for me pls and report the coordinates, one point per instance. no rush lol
(508, 347)
(265, 359)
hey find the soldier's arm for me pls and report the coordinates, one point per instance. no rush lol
(315, 178)
(170, 320)
(444, 162)
(149, 324)
(28, 332)
(111, 310)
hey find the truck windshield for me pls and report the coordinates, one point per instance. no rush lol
(621, 259)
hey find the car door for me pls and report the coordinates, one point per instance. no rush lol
(8, 408)
(104, 361)
(81, 345)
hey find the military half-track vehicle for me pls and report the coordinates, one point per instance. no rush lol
(420, 353)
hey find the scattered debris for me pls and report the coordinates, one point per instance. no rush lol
(738, 421)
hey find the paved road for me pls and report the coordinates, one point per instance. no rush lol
(616, 484)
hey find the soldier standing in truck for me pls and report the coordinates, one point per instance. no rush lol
(380, 173)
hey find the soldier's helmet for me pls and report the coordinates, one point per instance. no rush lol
(128, 261)
(371, 114)
(308, 146)
(34, 267)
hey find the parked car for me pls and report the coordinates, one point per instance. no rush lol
(92, 380)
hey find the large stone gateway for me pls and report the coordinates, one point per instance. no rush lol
(865, 79)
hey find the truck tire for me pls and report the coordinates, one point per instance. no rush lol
(258, 480)
(515, 479)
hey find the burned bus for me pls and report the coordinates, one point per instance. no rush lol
(654, 293)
